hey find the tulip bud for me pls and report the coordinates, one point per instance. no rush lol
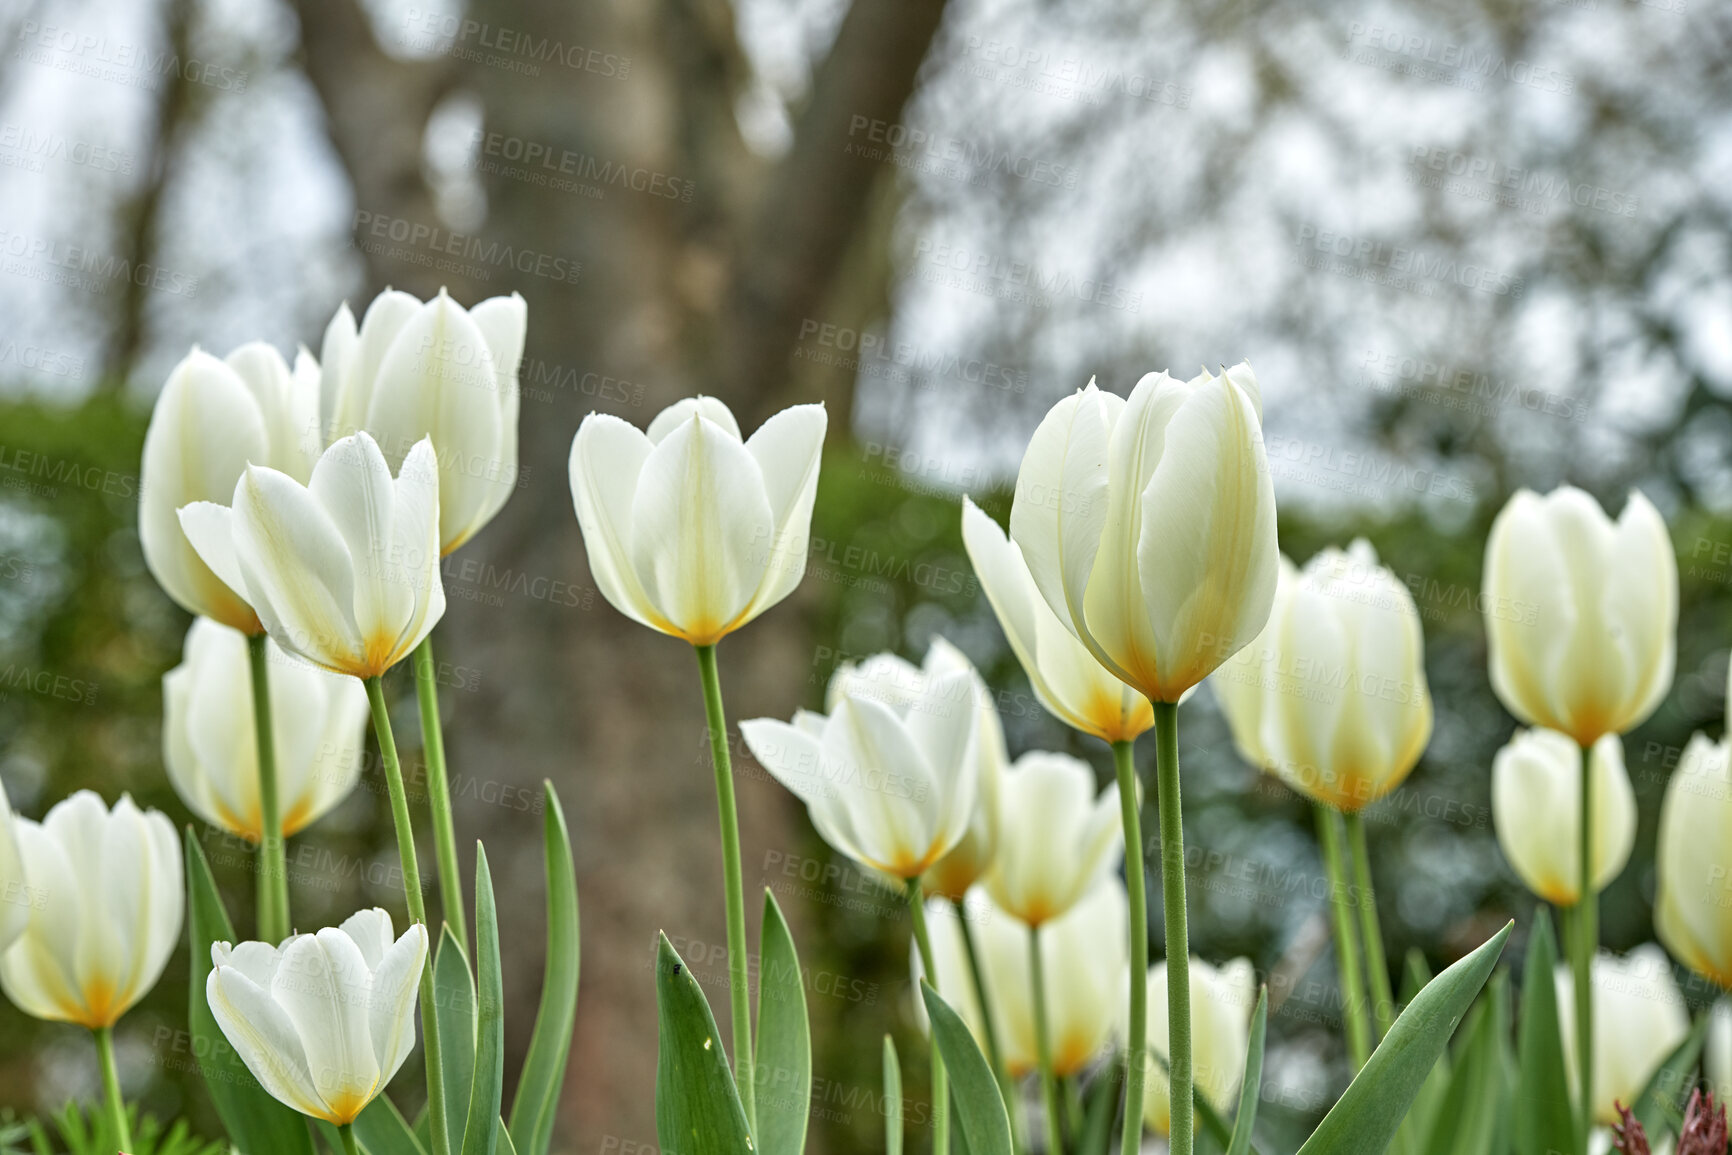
(1717, 1049)
(891, 776)
(209, 744)
(1059, 838)
(212, 419)
(343, 571)
(439, 371)
(105, 897)
(325, 1020)
(1638, 1018)
(691, 531)
(1536, 806)
(15, 898)
(1073, 686)
(1332, 695)
(1693, 902)
(1084, 952)
(1581, 613)
(1148, 525)
(1222, 1000)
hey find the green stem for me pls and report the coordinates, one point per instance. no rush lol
(1370, 927)
(1073, 1109)
(1587, 919)
(739, 992)
(347, 1131)
(1006, 1089)
(417, 913)
(273, 877)
(439, 791)
(113, 1105)
(940, 1084)
(1182, 1135)
(1043, 1044)
(1341, 905)
(1136, 869)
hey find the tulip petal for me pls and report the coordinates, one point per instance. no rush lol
(788, 448)
(209, 528)
(324, 988)
(684, 410)
(353, 490)
(391, 1006)
(415, 541)
(607, 460)
(265, 1038)
(371, 932)
(794, 756)
(36, 972)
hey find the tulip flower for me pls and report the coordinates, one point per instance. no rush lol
(1693, 903)
(1073, 686)
(105, 903)
(1536, 807)
(1638, 1019)
(691, 531)
(208, 734)
(1717, 1050)
(435, 370)
(343, 571)
(325, 1020)
(1581, 612)
(1331, 696)
(212, 419)
(1059, 838)
(1222, 999)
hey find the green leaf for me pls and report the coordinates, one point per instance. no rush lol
(892, 1100)
(256, 1123)
(1415, 1132)
(537, 1101)
(481, 1129)
(1251, 1085)
(980, 1104)
(1475, 1103)
(784, 1060)
(1658, 1105)
(698, 1110)
(1544, 1119)
(454, 1005)
(1208, 1119)
(1365, 1118)
(1103, 1098)
(506, 1147)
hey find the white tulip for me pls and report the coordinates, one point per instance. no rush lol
(1717, 1050)
(1638, 1018)
(1073, 686)
(1581, 613)
(1332, 696)
(691, 531)
(892, 775)
(1536, 806)
(1084, 952)
(436, 370)
(106, 897)
(208, 741)
(15, 897)
(1148, 525)
(343, 571)
(1059, 839)
(1693, 903)
(325, 1020)
(212, 419)
(1222, 1000)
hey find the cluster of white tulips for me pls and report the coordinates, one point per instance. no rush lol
(301, 514)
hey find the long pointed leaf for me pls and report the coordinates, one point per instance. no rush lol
(892, 1100)
(975, 1092)
(784, 1067)
(537, 1101)
(454, 994)
(1415, 1132)
(1365, 1119)
(1251, 1086)
(481, 1129)
(1475, 1102)
(1657, 1105)
(1103, 1098)
(698, 1110)
(1544, 1119)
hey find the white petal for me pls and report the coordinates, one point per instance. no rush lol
(324, 986)
(391, 1007)
(607, 459)
(683, 410)
(787, 449)
(263, 1036)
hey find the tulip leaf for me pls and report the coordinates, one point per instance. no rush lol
(454, 1003)
(532, 1111)
(257, 1124)
(1103, 1097)
(1251, 1086)
(1476, 1102)
(784, 1059)
(892, 1099)
(506, 1147)
(1415, 1131)
(1366, 1117)
(698, 1110)
(1208, 1118)
(1657, 1105)
(481, 1130)
(1544, 1119)
(979, 1102)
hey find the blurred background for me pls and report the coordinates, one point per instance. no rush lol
(1467, 247)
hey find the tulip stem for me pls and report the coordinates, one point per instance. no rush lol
(417, 913)
(439, 791)
(1178, 940)
(1043, 1044)
(940, 1085)
(1341, 904)
(1370, 926)
(1587, 941)
(1006, 1089)
(347, 1131)
(739, 990)
(1136, 869)
(273, 878)
(112, 1103)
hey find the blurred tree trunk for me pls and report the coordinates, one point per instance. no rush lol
(695, 280)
